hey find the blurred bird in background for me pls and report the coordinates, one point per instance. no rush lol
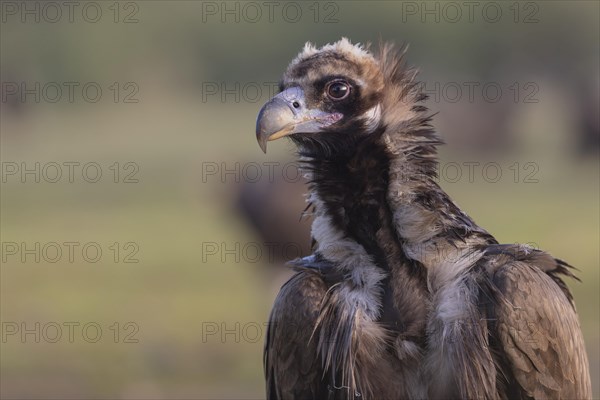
(404, 296)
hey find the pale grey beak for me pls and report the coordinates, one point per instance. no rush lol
(286, 114)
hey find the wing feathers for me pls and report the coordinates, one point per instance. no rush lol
(292, 368)
(537, 324)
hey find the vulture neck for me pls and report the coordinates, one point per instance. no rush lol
(378, 204)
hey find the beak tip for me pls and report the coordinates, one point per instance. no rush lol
(262, 142)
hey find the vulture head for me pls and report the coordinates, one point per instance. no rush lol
(334, 97)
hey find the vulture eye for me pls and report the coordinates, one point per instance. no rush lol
(338, 90)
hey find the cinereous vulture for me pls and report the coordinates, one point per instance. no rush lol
(404, 296)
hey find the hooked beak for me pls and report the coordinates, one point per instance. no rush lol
(287, 114)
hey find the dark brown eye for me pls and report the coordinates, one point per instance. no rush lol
(338, 90)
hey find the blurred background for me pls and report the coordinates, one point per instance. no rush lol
(144, 233)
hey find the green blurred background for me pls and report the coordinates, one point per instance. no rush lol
(187, 319)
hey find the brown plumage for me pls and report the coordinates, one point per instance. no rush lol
(404, 297)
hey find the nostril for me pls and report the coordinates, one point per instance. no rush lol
(296, 104)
